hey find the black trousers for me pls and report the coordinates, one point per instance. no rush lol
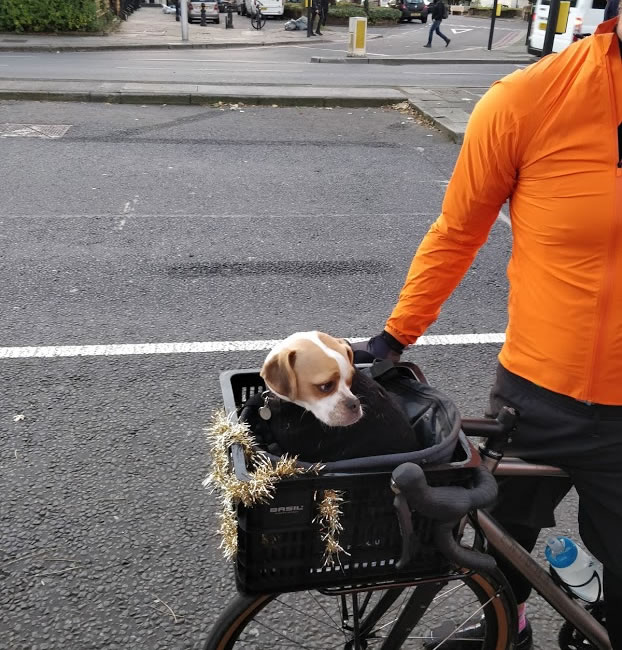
(585, 440)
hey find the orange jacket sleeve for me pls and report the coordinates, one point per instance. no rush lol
(483, 179)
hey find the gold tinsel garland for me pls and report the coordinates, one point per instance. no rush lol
(221, 434)
(328, 519)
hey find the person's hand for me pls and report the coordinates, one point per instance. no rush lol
(381, 346)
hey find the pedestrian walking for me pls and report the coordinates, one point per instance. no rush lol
(438, 13)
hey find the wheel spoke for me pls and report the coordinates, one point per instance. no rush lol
(336, 625)
(464, 622)
(306, 613)
(296, 643)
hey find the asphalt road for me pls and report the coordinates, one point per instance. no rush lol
(283, 65)
(263, 67)
(182, 224)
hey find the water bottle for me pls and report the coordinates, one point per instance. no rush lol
(581, 573)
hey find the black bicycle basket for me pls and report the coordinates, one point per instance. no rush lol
(280, 545)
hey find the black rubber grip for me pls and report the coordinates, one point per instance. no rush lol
(446, 505)
(464, 557)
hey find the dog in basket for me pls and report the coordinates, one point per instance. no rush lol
(319, 407)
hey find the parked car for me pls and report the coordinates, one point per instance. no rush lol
(268, 7)
(211, 10)
(223, 5)
(411, 9)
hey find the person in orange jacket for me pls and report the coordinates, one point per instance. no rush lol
(549, 139)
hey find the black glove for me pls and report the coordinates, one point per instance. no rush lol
(382, 346)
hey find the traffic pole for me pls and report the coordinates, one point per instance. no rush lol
(309, 18)
(492, 24)
(551, 27)
(184, 20)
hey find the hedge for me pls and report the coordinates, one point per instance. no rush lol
(341, 13)
(53, 15)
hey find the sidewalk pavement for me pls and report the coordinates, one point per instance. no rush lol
(447, 109)
(150, 28)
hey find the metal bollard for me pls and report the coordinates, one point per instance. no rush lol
(229, 19)
(177, 10)
(203, 19)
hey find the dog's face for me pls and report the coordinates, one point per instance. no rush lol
(315, 370)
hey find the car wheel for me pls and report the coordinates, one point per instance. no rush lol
(410, 20)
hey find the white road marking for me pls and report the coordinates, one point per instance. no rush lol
(450, 74)
(319, 50)
(33, 130)
(128, 210)
(461, 31)
(132, 67)
(185, 215)
(504, 217)
(249, 62)
(134, 349)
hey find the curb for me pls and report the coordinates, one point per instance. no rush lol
(412, 61)
(194, 99)
(455, 134)
(147, 46)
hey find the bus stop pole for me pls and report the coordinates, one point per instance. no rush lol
(530, 25)
(184, 19)
(551, 27)
(492, 24)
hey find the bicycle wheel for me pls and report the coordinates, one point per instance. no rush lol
(427, 616)
(258, 21)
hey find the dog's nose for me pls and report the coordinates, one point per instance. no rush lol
(353, 403)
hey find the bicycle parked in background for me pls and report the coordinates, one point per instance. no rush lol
(258, 20)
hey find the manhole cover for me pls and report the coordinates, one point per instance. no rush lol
(33, 130)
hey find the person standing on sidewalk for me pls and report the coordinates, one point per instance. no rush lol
(316, 14)
(438, 13)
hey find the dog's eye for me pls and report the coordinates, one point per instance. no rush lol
(327, 387)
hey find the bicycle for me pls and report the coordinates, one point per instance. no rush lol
(258, 20)
(370, 599)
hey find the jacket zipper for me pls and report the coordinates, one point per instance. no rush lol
(604, 300)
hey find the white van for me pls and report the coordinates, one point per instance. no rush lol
(268, 7)
(584, 17)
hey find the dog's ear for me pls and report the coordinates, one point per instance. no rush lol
(347, 348)
(278, 373)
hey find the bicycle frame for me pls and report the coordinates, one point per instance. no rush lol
(514, 553)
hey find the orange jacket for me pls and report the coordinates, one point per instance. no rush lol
(546, 137)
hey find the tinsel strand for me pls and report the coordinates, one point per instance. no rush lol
(329, 521)
(263, 476)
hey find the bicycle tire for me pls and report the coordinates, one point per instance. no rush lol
(258, 22)
(245, 623)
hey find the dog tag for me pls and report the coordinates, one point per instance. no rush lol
(265, 413)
